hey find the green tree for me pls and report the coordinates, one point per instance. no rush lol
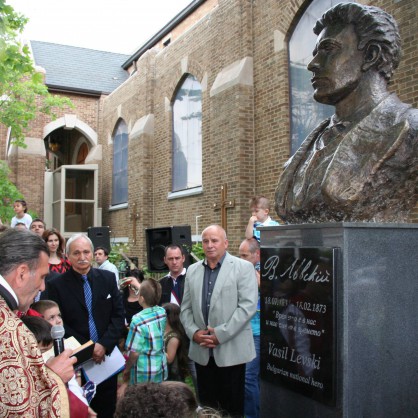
(8, 194)
(23, 94)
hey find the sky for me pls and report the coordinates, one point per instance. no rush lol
(117, 26)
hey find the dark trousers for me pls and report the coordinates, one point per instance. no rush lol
(104, 402)
(222, 388)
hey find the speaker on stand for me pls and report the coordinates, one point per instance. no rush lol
(158, 239)
(100, 236)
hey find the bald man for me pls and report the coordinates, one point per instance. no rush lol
(220, 298)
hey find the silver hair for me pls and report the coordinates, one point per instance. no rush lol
(76, 237)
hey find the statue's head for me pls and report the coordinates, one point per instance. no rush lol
(376, 30)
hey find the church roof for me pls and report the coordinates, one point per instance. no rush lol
(79, 70)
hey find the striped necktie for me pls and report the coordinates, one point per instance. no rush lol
(175, 291)
(89, 299)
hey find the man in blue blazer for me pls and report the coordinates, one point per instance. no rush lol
(220, 298)
(68, 290)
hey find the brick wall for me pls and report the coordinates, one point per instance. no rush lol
(245, 128)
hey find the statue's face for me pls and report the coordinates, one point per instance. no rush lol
(336, 64)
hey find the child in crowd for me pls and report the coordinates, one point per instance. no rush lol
(49, 310)
(153, 400)
(175, 342)
(41, 329)
(20, 208)
(260, 209)
(147, 361)
(20, 225)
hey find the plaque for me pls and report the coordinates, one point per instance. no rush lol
(298, 335)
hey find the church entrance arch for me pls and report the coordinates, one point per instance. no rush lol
(71, 186)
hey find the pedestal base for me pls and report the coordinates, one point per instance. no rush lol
(375, 322)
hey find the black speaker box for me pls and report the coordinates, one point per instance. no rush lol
(100, 236)
(158, 238)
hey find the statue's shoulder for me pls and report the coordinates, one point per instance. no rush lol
(403, 111)
(412, 117)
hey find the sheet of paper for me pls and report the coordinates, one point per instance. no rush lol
(98, 373)
(71, 343)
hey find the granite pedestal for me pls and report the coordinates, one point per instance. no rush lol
(366, 283)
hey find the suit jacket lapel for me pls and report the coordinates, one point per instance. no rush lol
(74, 286)
(197, 283)
(363, 150)
(221, 279)
(287, 177)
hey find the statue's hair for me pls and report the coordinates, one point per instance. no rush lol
(372, 26)
(20, 247)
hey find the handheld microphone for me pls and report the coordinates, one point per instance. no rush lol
(57, 334)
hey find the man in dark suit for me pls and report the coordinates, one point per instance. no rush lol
(172, 285)
(362, 163)
(100, 319)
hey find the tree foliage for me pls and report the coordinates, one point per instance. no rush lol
(8, 194)
(23, 94)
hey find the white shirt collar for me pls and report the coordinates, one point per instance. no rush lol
(8, 288)
(183, 272)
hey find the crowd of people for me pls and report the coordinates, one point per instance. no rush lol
(199, 326)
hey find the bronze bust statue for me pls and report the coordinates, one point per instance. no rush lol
(360, 164)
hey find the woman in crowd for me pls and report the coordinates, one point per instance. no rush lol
(58, 262)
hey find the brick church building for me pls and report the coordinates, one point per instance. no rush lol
(216, 101)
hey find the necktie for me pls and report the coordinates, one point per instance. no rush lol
(89, 298)
(176, 291)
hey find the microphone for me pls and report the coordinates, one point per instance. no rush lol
(57, 334)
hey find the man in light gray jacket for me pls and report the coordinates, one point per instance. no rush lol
(220, 298)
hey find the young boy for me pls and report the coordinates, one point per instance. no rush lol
(49, 310)
(51, 315)
(260, 209)
(147, 361)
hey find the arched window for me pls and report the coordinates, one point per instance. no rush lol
(187, 135)
(120, 164)
(305, 112)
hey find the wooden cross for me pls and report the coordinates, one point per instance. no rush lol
(224, 205)
(134, 215)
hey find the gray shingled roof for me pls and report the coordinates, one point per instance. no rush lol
(80, 69)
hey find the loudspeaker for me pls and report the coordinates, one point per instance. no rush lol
(100, 236)
(158, 238)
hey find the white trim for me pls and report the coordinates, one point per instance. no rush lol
(185, 193)
(74, 123)
(142, 126)
(238, 73)
(117, 207)
(120, 240)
